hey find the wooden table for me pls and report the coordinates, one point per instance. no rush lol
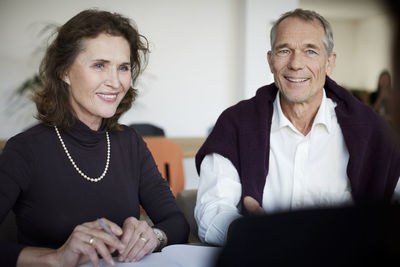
(189, 145)
(2, 143)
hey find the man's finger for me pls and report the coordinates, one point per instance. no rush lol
(252, 206)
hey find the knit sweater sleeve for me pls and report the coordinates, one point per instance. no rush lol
(14, 169)
(222, 140)
(157, 199)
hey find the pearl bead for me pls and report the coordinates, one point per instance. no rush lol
(77, 168)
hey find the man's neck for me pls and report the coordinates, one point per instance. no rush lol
(301, 115)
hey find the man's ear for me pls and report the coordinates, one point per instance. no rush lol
(269, 58)
(330, 63)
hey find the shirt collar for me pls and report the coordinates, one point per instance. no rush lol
(323, 117)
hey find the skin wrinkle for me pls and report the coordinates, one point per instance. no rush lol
(299, 64)
(102, 67)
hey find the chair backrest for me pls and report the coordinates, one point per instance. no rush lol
(147, 129)
(169, 160)
(2, 144)
(186, 201)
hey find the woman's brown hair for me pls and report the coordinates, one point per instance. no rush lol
(52, 101)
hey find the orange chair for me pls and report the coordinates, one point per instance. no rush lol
(168, 157)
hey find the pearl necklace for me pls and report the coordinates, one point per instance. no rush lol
(77, 168)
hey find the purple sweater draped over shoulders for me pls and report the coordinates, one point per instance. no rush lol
(242, 134)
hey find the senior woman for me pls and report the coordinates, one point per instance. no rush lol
(79, 164)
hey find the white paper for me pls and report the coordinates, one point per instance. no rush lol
(191, 255)
(173, 256)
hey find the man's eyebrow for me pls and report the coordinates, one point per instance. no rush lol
(309, 45)
(281, 46)
(313, 46)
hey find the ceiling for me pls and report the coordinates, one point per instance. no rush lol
(344, 9)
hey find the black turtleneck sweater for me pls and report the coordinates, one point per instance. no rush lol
(50, 198)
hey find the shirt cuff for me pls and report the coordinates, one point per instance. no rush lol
(218, 230)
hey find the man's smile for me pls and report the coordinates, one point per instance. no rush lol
(296, 80)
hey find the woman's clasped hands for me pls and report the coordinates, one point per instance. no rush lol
(88, 241)
(139, 240)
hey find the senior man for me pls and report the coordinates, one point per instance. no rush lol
(301, 142)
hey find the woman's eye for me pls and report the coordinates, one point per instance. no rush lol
(124, 68)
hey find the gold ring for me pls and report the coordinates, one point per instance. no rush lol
(143, 239)
(91, 240)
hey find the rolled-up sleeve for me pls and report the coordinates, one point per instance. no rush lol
(218, 197)
(14, 169)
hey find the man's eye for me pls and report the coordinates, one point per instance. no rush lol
(311, 52)
(283, 51)
(99, 65)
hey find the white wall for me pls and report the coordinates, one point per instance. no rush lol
(363, 51)
(374, 54)
(191, 77)
(345, 51)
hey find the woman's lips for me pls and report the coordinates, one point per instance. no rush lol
(107, 97)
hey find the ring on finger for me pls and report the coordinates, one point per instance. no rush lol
(91, 240)
(143, 239)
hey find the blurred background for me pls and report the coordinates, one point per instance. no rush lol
(206, 55)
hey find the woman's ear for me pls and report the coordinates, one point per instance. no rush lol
(65, 78)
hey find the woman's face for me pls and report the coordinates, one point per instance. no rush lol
(99, 78)
(384, 81)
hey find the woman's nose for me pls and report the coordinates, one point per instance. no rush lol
(113, 79)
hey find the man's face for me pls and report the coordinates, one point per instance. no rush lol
(298, 60)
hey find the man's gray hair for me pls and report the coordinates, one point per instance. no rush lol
(306, 15)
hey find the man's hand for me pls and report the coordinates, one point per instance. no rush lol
(252, 206)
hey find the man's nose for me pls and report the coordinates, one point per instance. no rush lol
(296, 61)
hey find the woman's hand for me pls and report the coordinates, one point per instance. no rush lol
(85, 243)
(89, 240)
(139, 240)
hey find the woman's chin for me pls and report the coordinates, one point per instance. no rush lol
(108, 112)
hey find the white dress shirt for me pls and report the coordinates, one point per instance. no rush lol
(304, 171)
